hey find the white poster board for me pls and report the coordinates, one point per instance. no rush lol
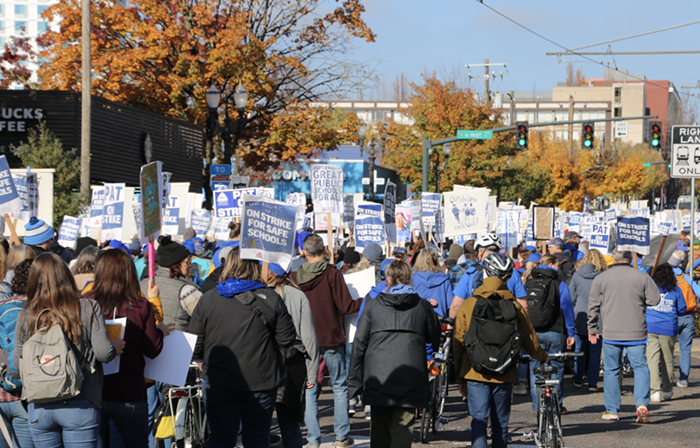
(359, 285)
(173, 362)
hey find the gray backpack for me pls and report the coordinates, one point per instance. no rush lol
(49, 366)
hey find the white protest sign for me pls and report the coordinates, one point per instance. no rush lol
(326, 188)
(173, 363)
(28, 191)
(359, 285)
(221, 230)
(200, 221)
(171, 216)
(113, 212)
(321, 221)
(68, 234)
(389, 211)
(600, 235)
(227, 203)
(465, 211)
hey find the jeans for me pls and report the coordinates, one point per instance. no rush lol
(290, 428)
(124, 424)
(686, 325)
(228, 410)
(551, 342)
(15, 418)
(335, 361)
(611, 380)
(660, 362)
(489, 400)
(592, 355)
(70, 423)
(348, 354)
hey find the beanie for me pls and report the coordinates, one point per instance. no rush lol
(171, 253)
(81, 244)
(456, 251)
(37, 232)
(351, 256)
(116, 244)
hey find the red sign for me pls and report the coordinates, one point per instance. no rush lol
(220, 178)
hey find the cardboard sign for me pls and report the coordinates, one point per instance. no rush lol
(151, 198)
(543, 223)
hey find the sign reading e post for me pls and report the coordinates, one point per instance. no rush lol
(68, 234)
(326, 188)
(267, 230)
(634, 234)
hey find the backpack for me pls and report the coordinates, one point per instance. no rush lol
(492, 344)
(9, 377)
(49, 366)
(688, 294)
(542, 301)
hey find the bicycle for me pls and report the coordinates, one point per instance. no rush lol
(191, 427)
(549, 433)
(432, 417)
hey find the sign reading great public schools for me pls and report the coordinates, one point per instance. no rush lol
(326, 188)
(685, 155)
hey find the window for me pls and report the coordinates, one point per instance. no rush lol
(20, 11)
(544, 117)
(1, 10)
(40, 9)
(521, 116)
(42, 26)
(561, 116)
(618, 112)
(20, 26)
(618, 94)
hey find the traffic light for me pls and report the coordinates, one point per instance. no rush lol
(587, 133)
(655, 135)
(521, 135)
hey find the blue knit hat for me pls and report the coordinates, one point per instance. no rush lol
(37, 231)
(277, 269)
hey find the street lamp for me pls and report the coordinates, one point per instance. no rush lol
(240, 98)
(361, 131)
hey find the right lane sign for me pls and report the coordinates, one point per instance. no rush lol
(685, 157)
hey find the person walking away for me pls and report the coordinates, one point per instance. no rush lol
(431, 283)
(302, 360)
(124, 419)
(389, 364)
(52, 299)
(239, 327)
(12, 411)
(330, 300)
(686, 321)
(662, 328)
(552, 315)
(619, 298)
(17, 254)
(84, 267)
(591, 265)
(489, 395)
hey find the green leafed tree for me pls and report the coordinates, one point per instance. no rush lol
(44, 150)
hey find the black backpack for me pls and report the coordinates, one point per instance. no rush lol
(542, 299)
(493, 341)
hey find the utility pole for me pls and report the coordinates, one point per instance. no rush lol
(571, 126)
(487, 77)
(85, 105)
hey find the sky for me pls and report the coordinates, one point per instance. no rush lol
(415, 36)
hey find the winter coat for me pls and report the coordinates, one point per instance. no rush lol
(580, 289)
(435, 286)
(389, 364)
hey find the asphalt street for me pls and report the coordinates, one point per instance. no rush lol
(674, 423)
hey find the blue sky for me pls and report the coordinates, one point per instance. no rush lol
(444, 35)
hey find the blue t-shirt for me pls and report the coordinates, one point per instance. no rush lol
(663, 318)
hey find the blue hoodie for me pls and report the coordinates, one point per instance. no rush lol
(434, 287)
(663, 318)
(232, 286)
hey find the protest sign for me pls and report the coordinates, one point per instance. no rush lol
(610, 215)
(68, 234)
(151, 179)
(670, 244)
(440, 225)
(9, 198)
(28, 191)
(173, 363)
(165, 188)
(634, 234)
(326, 188)
(685, 219)
(348, 211)
(600, 235)
(113, 212)
(297, 199)
(369, 226)
(321, 221)
(200, 221)
(171, 216)
(574, 222)
(138, 220)
(430, 203)
(403, 222)
(221, 230)
(359, 284)
(465, 211)
(666, 228)
(268, 229)
(389, 211)
(509, 224)
(543, 223)
(98, 197)
(227, 203)
(643, 212)
(416, 214)
(492, 209)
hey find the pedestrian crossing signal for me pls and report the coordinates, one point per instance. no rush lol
(587, 136)
(655, 135)
(521, 135)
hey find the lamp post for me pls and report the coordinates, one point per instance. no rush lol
(446, 150)
(372, 156)
(240, 98)
(361, 131)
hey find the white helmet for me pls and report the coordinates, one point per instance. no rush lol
(486, 240)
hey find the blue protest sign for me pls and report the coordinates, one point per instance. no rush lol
(666, 228)
(9, 198)
(227, 203)
(68, 234)
(600, 235)
(200, 221)
(633, 234)
(440, 225)
(267, 230)
(113, 211)
(610, 215)
(171, 222)
(389, 211)
(430, 204)
(369, 226)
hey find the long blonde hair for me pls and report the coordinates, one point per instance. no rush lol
(427, 261)
(18, 254)
(594, 257)
(529, 266)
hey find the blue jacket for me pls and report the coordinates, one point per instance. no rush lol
(434, 286)
(576, 254)
(663, 318)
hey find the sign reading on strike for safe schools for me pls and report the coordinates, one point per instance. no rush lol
(68, 234)
(98, 199)
(200, 220)
(634, 234)
(326, 188)
(227, 203)
(389, 211)
(113, 212)
(369, 226)
(267, 230)
(171, 216)
(28, 191)
(431, 204)
(9, 198)
(685, 156)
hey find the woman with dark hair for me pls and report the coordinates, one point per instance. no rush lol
(239, 326)
(178, 293)
(124, 405)
(84, 267)
(662, 329)
(51, 287)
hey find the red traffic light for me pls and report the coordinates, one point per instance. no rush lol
(588, 128)
(655, 128)
(522, 128)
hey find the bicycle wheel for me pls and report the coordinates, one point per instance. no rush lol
(441, 396)
(429, 412)
(424, 424)
(193, 435)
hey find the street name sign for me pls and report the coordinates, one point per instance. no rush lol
(474, 135)
(685, 155)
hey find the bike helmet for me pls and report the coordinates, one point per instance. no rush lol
(486, 240)
(498, 265)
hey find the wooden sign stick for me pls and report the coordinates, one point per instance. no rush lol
(330, 236)
(656, 262)
(14, 239)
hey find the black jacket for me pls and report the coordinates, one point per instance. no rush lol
(389, 363)
(238, 350)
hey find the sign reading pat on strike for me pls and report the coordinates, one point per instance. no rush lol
(227, 203)
(267, 230)
(326, 188)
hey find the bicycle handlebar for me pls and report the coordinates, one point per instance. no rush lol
(558, 356)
